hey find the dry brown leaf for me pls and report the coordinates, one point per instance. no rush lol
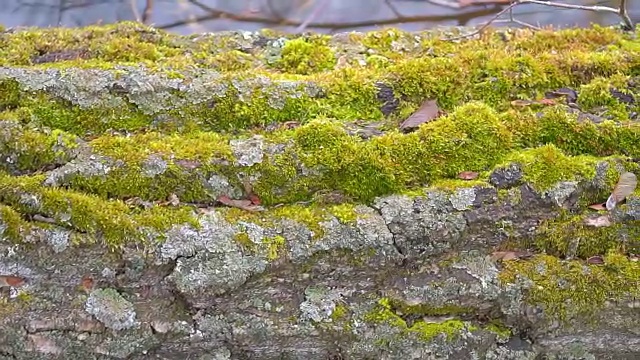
(87, 283)
(248, 189)
(243, 204)
(510, 255)
(600, 221)
(598, 206)
(625, 187)
(188, 164)
(11, 280)
(522, 102)
(468, 175)
(595, 260)
(427, 112)
(547, 102)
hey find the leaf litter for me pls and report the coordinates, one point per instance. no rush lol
(426, 113)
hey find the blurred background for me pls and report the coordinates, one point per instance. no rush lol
(326, 16)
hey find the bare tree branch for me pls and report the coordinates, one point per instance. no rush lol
(214, 14)
(621, 12)
(314, 14)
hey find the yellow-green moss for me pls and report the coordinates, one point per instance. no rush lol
(302, 56)
(383, 313)
(547, 165)
(12, 224)
(482, 69)
(310, 216)
(346, 213)
(111, 221)
(572, 288)
(275, 246)
(570, 235)
(501, 330)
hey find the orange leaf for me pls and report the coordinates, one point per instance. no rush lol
(10, 280)
(427, 112)
(468, 175)
(598, 206)
(240, 204)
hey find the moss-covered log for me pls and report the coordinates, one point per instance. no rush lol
(120, 146)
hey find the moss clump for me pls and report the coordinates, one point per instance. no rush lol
(571, 288)
(596, 96)
(571, 236)
(345, 213)
(111, 222)
(547, 165)
(383, 313)
(301, 56)
(12, 225)
(31, 150)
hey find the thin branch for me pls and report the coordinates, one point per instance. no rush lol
(134, 9)
(214, 14)
(621, 11)
(393, 8)
(314, 14)
(146, 13)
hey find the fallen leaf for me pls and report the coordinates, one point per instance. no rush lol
(600, 221)
(10, 280)
(243, 204)
(188, 164)
(427, 112)
(248, 189)
(547, 102)
(625, 187)
(598, 206)
(468, 175)
(510, 255)
(522, 103)
(44, 219)
(595, 260)
(87, 283)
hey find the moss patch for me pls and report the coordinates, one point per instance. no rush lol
(383, 313)
(572, 288)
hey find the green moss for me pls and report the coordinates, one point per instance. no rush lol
(106, 220)
(547, 165)
(501, 330)
(12, 224)
(243, 239)
(301, 56)
(383, 313)
(275, 246)
(33, 150)
(571, 236)
(340, 313)
(597, 94)
(566, 289)
(346, 213)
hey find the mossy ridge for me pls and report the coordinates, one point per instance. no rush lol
(567, 289)
(570, 236)
(31, 149)
(108, 221)
(384, 313)
(472, 138)
(473, 74)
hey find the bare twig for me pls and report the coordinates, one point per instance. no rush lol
(134, 10)
(621, 12)
(393, 8)
(148, 9)
(214, 14)
(314, 14)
